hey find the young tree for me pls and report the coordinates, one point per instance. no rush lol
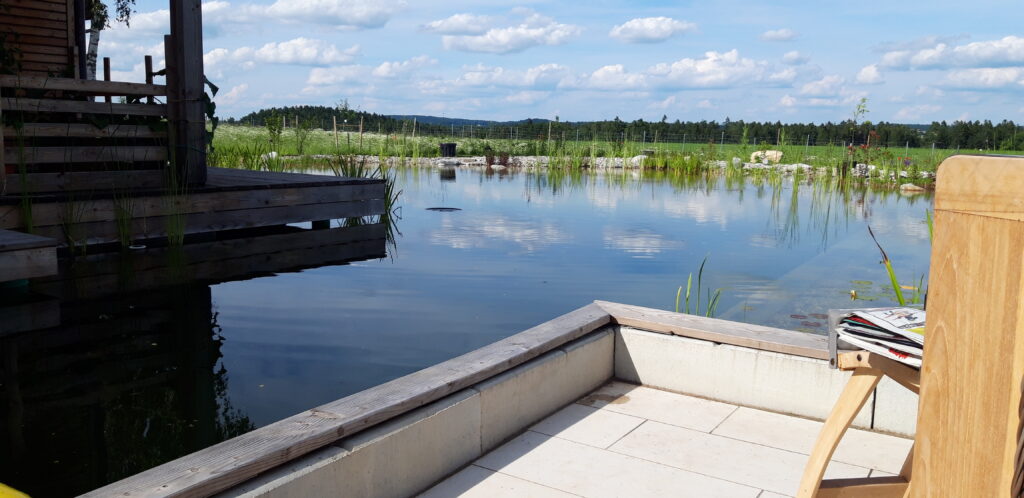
(274, 126)
(302, 129)
(99, 19)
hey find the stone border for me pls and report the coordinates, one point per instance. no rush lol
(341, 425)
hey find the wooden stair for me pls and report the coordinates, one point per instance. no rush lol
(24, 256)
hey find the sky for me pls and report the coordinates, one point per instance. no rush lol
(785, 61)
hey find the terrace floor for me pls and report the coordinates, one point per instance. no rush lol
(627, 440)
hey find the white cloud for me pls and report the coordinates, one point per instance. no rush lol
(395, 69)
(929, 91)
(827, 86)
(714, 70)
(322, 76)
(916, 112)
(989, 77)
(300, 51)
(670, 101)
(459, 24)
(786, 75)
(345, 14)
(869, 75)
(611, 77)
(233, 95)
(787, 101)
(536, 30)
(705, 104)
(784, 34)
(650, 29)
(527, 97)
(544, 75)
(795, 58)
(1006, 51)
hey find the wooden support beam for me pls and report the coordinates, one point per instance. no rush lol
(106, 76)
(79, 106)
(187, 48)
(101, 154)
(26, 256)
(81, 130)
(82, 86)
(84, 180)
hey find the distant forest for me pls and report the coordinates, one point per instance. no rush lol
(1005, 135)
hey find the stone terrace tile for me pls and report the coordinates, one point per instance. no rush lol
(661, 406)
(478, 482)
(861, 448)
(587, 425)
(752, 464)
(588, 471)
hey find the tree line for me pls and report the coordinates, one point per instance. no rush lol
(1005, 135)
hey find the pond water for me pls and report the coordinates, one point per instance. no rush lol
(124, 385)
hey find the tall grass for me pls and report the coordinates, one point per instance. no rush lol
(711, 304)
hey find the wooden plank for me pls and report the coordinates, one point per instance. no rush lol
(34, 21)
(105, 209)
(250, 257)
(904, 375)
(58, 36)
(92, 87)
(28, 263)
(40, 40)
(85, 107)
(11, 240)
(82, 154)
(36, 12)
(81, 130)
(105, 231)
(42, 49)
(221, 466)
(84, 180)
(968, 417)
(34, 314)
(36, 4)
(997, 193)
(865, 487)
(44, 58)
(43, 68)
(187, 44)
(721, 331)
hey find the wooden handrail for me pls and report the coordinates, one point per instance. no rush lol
(91, 87)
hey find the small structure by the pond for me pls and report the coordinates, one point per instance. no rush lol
(85, 162)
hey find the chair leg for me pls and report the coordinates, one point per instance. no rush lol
(908, 464)
(852, 399)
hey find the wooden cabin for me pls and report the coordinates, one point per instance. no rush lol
(66, 133)
(101, 162)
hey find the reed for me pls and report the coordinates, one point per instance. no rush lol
(711, 304)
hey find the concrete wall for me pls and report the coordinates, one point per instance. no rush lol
(761, 379)
(411, 452)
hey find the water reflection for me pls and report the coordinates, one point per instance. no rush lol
(117, 365)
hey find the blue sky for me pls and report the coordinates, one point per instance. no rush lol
(779, 61)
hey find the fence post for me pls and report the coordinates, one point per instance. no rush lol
(184, 54)
(334, 121)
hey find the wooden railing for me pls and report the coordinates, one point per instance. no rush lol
(57, 138)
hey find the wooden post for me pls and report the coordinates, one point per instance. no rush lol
(148, 62)
(187, 47)
(334, 119)
(360, 133)
(106, 76)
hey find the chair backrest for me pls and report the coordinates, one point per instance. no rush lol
(969, 422)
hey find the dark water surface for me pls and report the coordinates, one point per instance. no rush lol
(124, 384)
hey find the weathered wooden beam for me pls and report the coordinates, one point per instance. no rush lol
(93, 87)
(721, 331)
(81, 106)
(21, 263)
(80, 180)
(84, 154)
(187, 48)
(81, 130)
(92, 210)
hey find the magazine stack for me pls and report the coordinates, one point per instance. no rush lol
(895, 333)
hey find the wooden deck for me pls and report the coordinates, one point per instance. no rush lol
(231, 199)
(26, 256)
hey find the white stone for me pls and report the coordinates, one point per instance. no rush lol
(587, 471)
(586, 425)
(653, 404)
(478, 482)
(758, 466)
(858, 447)
(766, 156)
(762, 379)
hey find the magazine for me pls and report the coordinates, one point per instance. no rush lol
(895, 333)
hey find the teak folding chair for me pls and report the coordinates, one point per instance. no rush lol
(968, 440)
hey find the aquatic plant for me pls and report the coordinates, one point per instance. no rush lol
(711, 305)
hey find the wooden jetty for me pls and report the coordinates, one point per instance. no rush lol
(85, 162)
